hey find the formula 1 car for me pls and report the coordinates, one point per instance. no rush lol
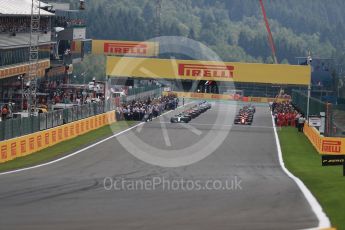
(201, 108)
(245, 115)
(205, 106)
(243, 120)
(180, 118)
(191, 113)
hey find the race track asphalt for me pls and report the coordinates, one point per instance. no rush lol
(70, 194)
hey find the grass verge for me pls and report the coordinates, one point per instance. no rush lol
(326, 183)
(66, 147)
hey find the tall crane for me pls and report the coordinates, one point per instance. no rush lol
(270, 37)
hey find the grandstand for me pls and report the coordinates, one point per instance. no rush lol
(60, 46)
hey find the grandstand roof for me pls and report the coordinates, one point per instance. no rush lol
(22, 7)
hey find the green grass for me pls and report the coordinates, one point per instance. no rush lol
(66, 147)
(326, 183)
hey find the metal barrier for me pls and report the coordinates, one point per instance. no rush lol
(21, 126)
(145, 94)
(139, 90)
(338, 120)
(335, 115)
(300, 100)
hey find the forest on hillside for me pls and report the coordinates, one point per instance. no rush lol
(234, 29)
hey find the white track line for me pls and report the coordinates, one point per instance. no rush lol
(314, 204)
(72, 154)
(191, 128)
(165, 133)
(86, 148)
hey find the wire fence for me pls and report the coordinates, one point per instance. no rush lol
(334, 114)
(16, 127)
(338, 120)
(300, 100)
(143, 93)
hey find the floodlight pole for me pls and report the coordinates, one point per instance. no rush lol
(309, 60)
(33, 55)
(308, 102)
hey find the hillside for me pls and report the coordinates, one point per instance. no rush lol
(232, 28)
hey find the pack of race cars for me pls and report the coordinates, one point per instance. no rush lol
(193, 112)
(245, 115)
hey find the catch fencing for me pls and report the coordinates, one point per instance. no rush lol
(16, 127)
(300, 100)
(334, 114)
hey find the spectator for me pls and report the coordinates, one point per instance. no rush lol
(146, 109)
(4, 112)
(21, 24)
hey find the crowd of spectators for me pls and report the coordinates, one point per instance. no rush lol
(65, 22)
(145, 110)
(21, 24)
(285, 114)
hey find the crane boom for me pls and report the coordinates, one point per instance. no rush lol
(270, 37)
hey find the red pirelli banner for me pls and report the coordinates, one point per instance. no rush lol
(128, 48)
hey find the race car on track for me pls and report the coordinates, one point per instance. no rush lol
(191, 113)
(180, 118)
(205, 106)
(245, 116)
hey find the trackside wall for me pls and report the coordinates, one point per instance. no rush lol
(324, 145)
(29, 144)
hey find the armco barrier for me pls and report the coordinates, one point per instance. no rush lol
(324, 145)
(230, 97)
(28, 144)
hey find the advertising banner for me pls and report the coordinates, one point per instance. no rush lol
(324, 145)
(14, 70)
(31, 143)
(129, 48)
(331, 160)
(315, 121)
(208, 70)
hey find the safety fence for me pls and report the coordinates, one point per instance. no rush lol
(335, 114)
(338, 120)
(142, 93)
(16, 127)
(31, 143)
(300, 100)
(143, 89)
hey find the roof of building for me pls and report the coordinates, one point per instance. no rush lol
(20, 7)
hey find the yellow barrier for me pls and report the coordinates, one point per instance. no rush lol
(208, 70)
(230, 97)
(28, 144)
(324, 145)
